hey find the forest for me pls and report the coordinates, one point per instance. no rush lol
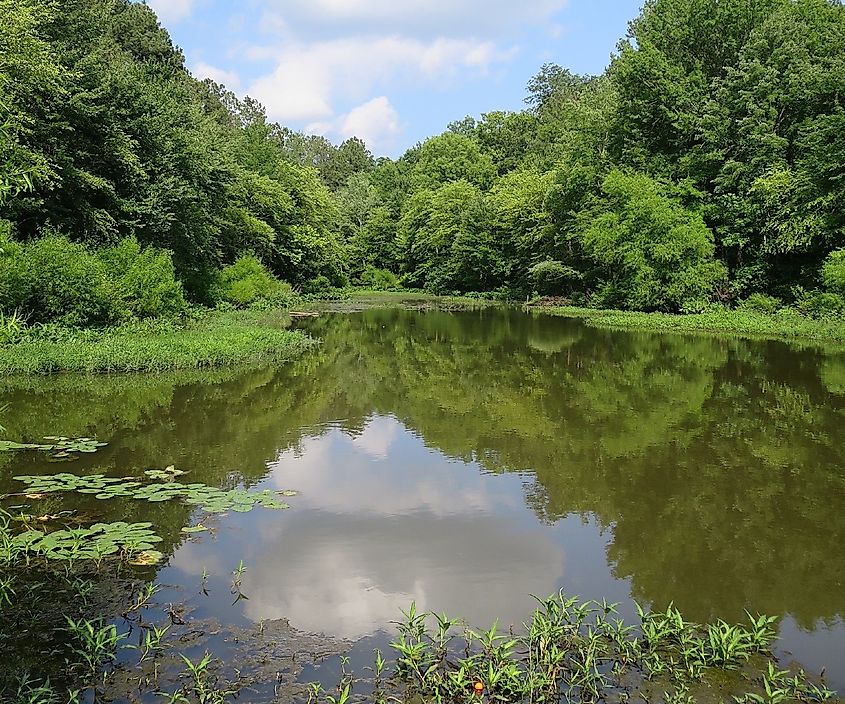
(705, 167)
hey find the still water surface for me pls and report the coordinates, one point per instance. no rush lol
(468, 460)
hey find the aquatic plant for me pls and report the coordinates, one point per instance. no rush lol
(581, 652)
(95, 643)
(61, 448)
(778, 687)
(93, 543)
(202, 685)
(209, 498)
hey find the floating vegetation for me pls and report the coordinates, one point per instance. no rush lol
(168, 473)
(60, 448)
(94, 543)
(209, 498)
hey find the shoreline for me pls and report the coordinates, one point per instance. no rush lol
(214, 339)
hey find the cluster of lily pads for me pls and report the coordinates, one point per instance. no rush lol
(59, 447)
(209, 498)
(134, 540)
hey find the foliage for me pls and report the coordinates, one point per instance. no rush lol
(181, 165)
(143, 280)
(786, 323)
(213, 340)
(719, 126)
(704, 165)
(578, 649)
(448, 158)
(652, 252)
(248, 281)
(378, 279)
(60, 448)
(94, 543)
(52, 279)
(821, 305)
(833, 272)
(762, 303)
(550, 277)
(446, 241)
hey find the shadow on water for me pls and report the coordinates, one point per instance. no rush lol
(467, 460)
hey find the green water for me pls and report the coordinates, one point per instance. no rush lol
(467, 460)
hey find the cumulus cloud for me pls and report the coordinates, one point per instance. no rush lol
(417, 17)
(376, 122)
(230, 79)
(171, 10)
(309, 78)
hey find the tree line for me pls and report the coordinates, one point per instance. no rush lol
(705, 166)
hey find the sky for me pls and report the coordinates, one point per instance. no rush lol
(392, 72)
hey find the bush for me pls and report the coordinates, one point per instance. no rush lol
(821, 305)
(54, 280)
(833, 272)
(761, 303)
(144, 281)
(320, 284)
(551, 278)
(379, 279)
(247, 282)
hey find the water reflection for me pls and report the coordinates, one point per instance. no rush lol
(468, 460)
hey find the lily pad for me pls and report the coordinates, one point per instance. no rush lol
(211, 499)
(194, 529)
(147, 557)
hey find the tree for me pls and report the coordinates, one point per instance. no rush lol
(519, 213)
(654, 254)
(447, 241)
(447, 158)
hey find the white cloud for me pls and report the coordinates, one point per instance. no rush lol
(377, 123)
(230, 79)
(309, 78)
(418, 17)
(171, 10)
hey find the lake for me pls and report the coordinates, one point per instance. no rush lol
(468, 460)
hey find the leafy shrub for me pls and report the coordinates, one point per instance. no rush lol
(761, 303)
(379, 279)
(54, 280)
(320, 284)
(821, 305)
(551, 277)
(143, 280)
(833, 272)
(248, 282)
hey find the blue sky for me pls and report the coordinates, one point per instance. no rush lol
(392, 72)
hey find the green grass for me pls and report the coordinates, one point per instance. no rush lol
(353, 299)
(786, 324)
(215, 339)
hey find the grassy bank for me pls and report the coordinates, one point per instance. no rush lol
(355, 299)
(785, 324)
(213, 339)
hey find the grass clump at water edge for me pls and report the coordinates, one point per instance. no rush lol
(215, 339)
(786, 323)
